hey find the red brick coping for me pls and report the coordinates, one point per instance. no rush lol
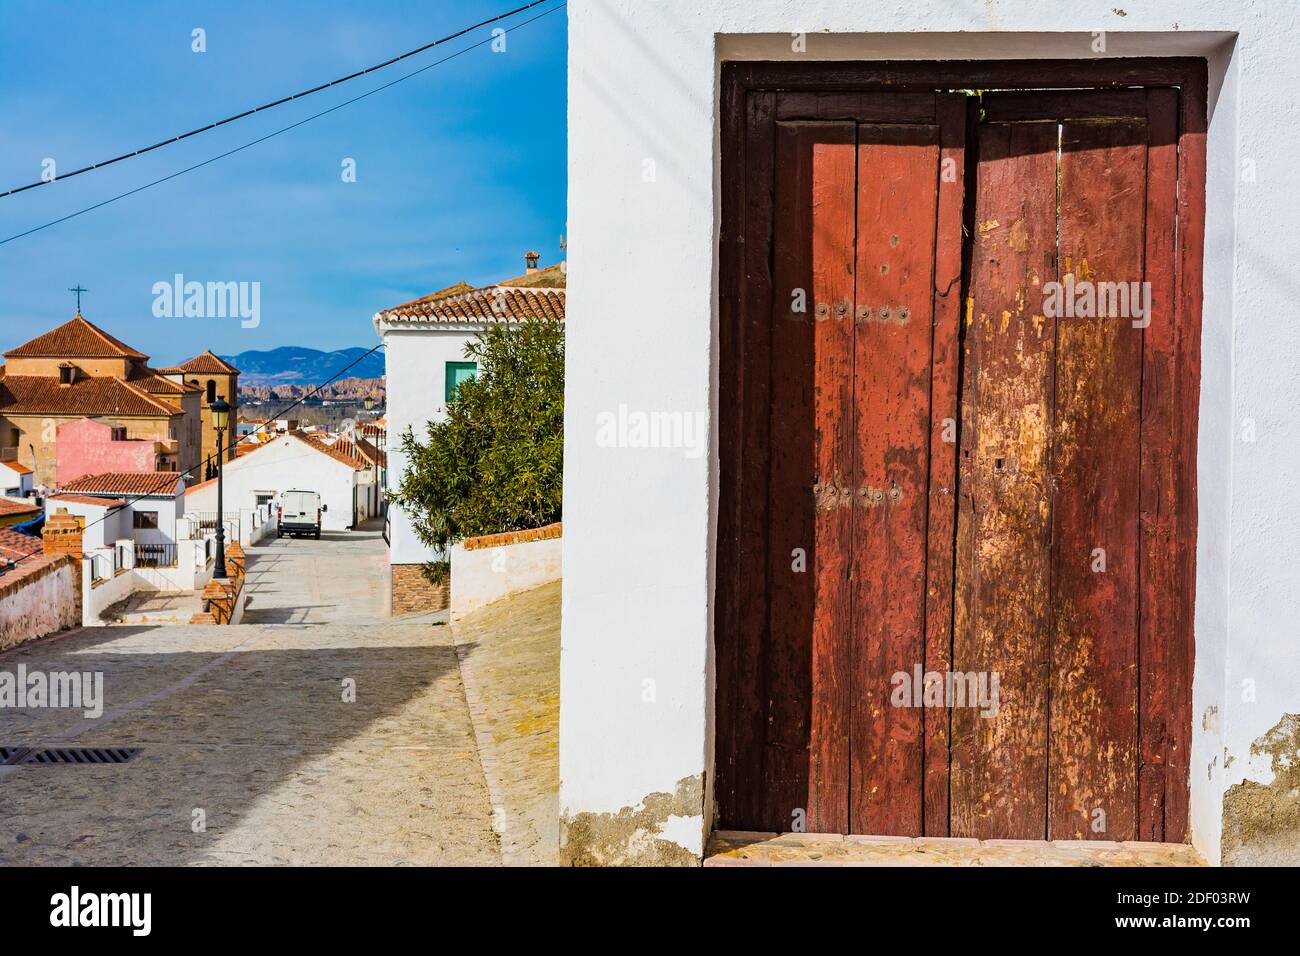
(514, 537)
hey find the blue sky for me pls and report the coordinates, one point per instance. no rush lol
(459, 170)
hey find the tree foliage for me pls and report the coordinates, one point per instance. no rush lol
(496, 463)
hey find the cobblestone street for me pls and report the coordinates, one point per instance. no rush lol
(250, 751)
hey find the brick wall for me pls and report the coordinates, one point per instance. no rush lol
(223, 600)
(412, 592)
(544, 533)
(61, 534)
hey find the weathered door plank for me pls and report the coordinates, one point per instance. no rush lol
(897, 193)
(1160, 676)
(941, 529)
(1003, 586)
(1092, 761)
(807, 676)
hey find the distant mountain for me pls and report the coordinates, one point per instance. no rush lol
(294, 365)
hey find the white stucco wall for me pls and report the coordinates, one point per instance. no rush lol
(283, 464)
(36, 603)
(643, 85)
(484, 575)
(167, 509)
(416, 386)
(97, 596)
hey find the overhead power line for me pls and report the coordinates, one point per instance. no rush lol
(274, 103)
(262, 139)
(173, 476)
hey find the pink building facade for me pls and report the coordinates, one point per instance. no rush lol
(92, 446)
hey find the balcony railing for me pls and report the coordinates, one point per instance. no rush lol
(205, 523)
(161, 555)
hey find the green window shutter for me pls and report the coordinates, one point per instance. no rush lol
(458, 372)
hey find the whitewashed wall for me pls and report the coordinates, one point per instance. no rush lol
(416, 386)
(283, 464)
(483, 575)
(98, 596)
(41, 602)
(643, 86)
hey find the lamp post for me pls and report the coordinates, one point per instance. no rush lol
(369, 404)
(220, 421)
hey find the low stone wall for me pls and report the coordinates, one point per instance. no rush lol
(490, 567)
(223, 600)
(412, 593)
(41, 596)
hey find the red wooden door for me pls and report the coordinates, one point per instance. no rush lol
(927, 469)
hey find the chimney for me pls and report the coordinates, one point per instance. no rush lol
(530, 258)
(62, 533)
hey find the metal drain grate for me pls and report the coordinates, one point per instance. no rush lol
(9, 756)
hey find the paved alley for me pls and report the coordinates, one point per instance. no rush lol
(339, 579)
(253, 749)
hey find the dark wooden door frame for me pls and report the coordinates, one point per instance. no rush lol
(1167, 768)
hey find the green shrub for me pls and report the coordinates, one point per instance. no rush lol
(496, 464)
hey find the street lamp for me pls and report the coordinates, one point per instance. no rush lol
(220, 421)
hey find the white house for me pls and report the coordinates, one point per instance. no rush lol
(140, 505)
(105, 518)
(425, 360)
(718, 151)
(342, 473)
(15, 479)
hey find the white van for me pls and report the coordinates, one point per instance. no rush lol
(299, 513)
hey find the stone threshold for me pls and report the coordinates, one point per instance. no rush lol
(744, 848)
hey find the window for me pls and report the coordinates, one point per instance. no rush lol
(145, 520)
(458, 372)
(212, 391)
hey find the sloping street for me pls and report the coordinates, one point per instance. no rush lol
(338, 579)
(253, 747)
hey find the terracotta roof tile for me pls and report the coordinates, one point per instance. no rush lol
(484, 306)
(552, 277)
(75, 338)
(16, 466)
(160, 483)
(342, 450)
(89, 500)
(14, 545)
(536, 296)
(371, 453)
(43, 395)
(9, 507)
(207, 364)
(154, 382)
